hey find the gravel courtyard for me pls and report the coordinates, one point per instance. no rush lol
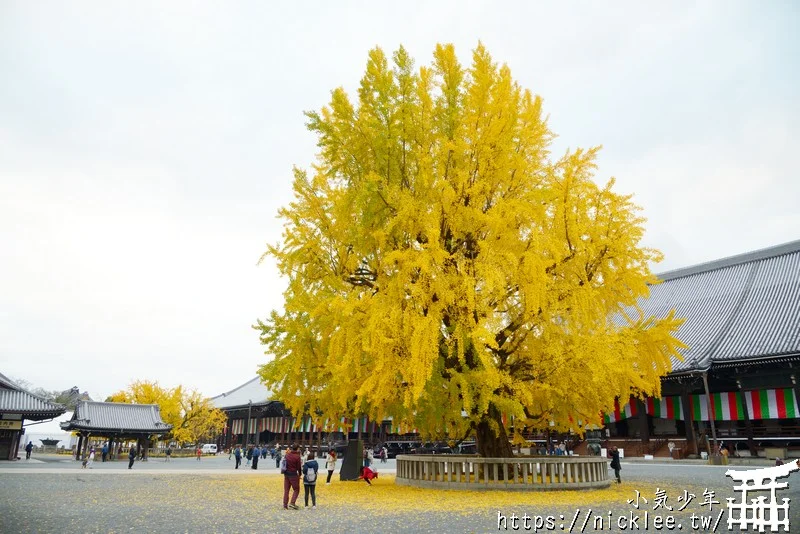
(55, 495)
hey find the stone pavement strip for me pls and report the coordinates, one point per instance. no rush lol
(181, 496)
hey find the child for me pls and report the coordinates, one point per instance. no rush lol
(310, 469)
(368, 473)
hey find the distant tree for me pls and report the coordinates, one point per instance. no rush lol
(444, 271)
(191, 415)
(51, 396)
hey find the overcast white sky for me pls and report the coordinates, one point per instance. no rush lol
(145, 149)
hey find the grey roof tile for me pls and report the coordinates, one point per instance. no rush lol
(117, 416)
(737, 308)
(252, 390)
(15, 399)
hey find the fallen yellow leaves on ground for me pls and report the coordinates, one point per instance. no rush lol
(385, 497)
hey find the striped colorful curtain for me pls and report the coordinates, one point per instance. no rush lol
(665, 407)
(771, 404)
(621, 412)
(761, 404)
(237, 427)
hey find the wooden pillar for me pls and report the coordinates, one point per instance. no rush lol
(748, 424)
(796, 390)
(688, 418)
(710, 413)
(85, 445)
(644, 426)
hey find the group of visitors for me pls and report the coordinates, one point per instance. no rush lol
(292, 466)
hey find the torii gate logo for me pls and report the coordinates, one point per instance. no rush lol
(758, 513)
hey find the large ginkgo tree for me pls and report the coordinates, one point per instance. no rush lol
(446, 272)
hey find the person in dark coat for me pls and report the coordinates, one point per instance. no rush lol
(28, 449)
(615, 465)
(256, 456)
(310, 471)
(131, 457)
(237, 454)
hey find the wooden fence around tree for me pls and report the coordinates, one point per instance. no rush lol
(522, 473)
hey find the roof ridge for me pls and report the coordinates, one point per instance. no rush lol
(730, 261)
(225, 394)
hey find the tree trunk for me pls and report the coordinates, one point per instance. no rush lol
(491, 443)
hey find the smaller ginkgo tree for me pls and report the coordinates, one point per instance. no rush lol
(443, 271)
(191, 414)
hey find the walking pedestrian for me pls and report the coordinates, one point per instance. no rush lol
(104, 452)
(237, 453)
(249, 456)
(256, 456)
(384, 455)
(28, 450)
(291, 478)
(131, 457)
(199, 453)
(278, 455)
(615, 465)
(310, 469)
(330, 465)
(169, 454)
(91, 458)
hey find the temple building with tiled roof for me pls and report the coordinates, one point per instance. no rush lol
(742, 364)
(18, 405)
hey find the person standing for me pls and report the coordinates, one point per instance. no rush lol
(91, 458)
(169, 453)
(28, 450)
(249, 456)
(291, 478)
(304, 456)
(330, 465)
(237, 454)
(256, 456)
(278, 455)
(615, 465)
(310, 470)
(131, 457)
(199, 453)
(104, 452)
(384, 454)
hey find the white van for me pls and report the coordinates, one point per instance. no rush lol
(209, 448)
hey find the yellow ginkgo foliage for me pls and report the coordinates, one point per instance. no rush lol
(191, 415)
(444, 271)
